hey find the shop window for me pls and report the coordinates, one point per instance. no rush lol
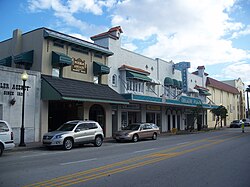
(114, 80)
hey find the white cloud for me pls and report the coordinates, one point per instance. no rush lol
(191, 30)
(236, 70)
(244, 32)
(129, 46)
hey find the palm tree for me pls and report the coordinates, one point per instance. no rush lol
(220, 113)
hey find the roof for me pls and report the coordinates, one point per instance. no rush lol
(108, 33)
(221, 86)
(196, 73)
(64, 37)
(54, 88)
(126, 67)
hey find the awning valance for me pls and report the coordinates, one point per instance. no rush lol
(204, 92)
(60, 59)
(133, 75)
(25, 58)
(6, 61)
(54, 88)
(176, 83)
(168, 81)
(100, 69)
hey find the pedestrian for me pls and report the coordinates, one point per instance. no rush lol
(243, 125)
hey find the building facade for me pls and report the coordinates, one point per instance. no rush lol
(158, 91)
(72, 85)
(225, 95)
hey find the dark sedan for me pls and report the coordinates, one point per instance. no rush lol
(235, 124)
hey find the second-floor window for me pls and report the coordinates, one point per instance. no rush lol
(150, 87)
(136, 86)
(114, 80)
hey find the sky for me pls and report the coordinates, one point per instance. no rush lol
(210, 33)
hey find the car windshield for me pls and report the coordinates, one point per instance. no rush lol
(236, 121)
(67, 127)
(132, 127)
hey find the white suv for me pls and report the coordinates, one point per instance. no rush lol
(6, 137)
(75, 132)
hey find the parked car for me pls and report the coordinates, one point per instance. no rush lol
(6, 137)
(137, 131)
(75, 132)
(246, 122)
(235, 124)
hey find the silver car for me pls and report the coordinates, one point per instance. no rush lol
(6, 137)
(75, 132)
(136, 131)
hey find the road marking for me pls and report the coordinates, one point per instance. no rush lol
(42, 154)
(145, 150)
(182, 143)
(125, 165)
(79, 161)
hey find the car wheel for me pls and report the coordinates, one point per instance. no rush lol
(118, 140)
(68, 144)
(98, 141)
(154, 137)
(1, 149)
(135, 138)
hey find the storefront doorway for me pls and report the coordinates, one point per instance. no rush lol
(97, 113)
(61, 112)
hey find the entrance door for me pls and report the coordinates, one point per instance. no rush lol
(96, 113)
(114, 121)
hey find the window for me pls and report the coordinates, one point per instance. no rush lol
(96, 79)
(137, 86)
(55, 72)
(114, 80)
(3, 127)
(58, 44)
(150, 87)
(98, 55)
(80, 50)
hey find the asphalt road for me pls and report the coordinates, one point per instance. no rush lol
(220, 158)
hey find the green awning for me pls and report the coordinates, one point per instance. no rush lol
(180, 85)
(100, 69)
(205, 92)
(6, 61)
(60, 59)
(176, 83)
(168, 81)
(133, 75)
(25, 58)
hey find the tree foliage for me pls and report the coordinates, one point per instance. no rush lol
(220, 113)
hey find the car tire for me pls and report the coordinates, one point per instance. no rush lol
(118, 141)
(154, 137)
(135, 138)
(68, 144)
(98, 141)
(1, 149)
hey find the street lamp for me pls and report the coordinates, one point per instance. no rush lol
(24, 77)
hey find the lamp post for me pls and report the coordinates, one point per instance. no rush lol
(24, 77)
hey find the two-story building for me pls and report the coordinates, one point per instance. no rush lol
(67, 80)
(158, 91)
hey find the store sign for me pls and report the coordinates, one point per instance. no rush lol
(153, 107)
(189, 100)
(131, 106)
(79, 65)
(12, 89)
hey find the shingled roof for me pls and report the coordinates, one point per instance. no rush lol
(221, 86)
(54, 88)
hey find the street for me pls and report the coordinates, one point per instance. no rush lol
(215, 158)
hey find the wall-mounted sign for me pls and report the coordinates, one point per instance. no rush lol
(153, 107)
(131, 106)
(9, 89)
(79, 65)
(190, 100)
